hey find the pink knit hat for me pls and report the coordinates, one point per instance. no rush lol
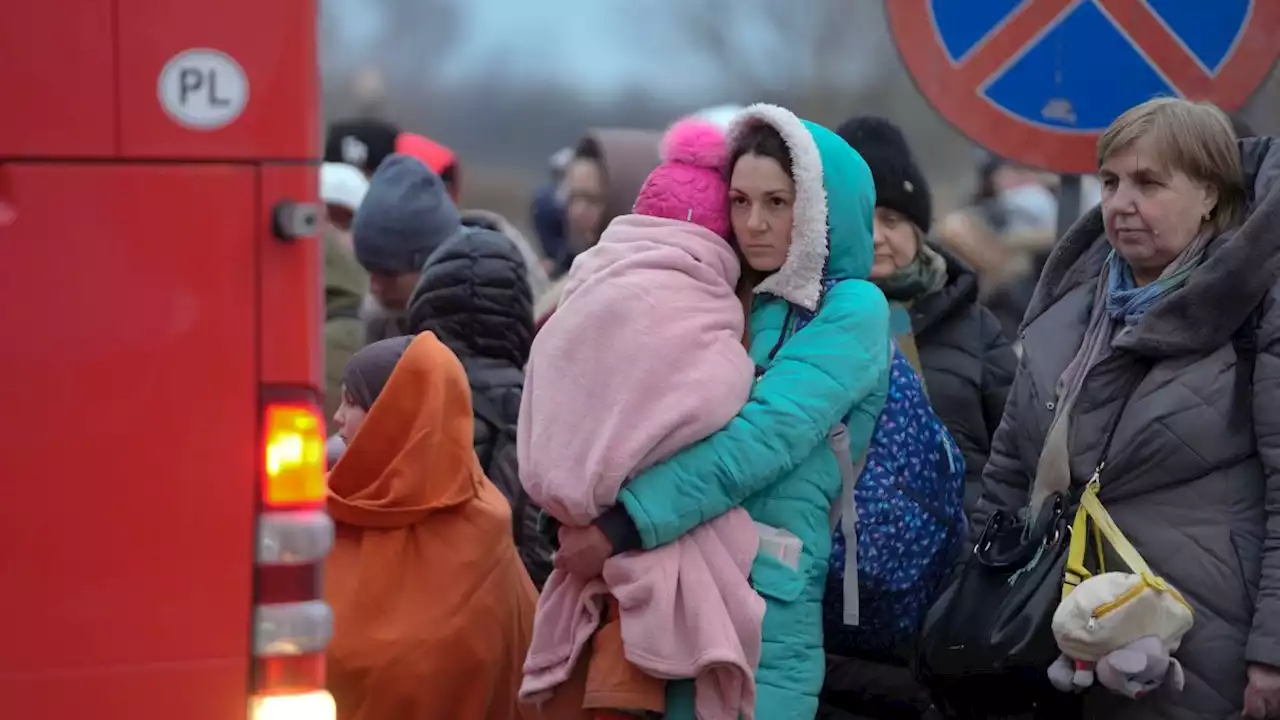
(690, 185)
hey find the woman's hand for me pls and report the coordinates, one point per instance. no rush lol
(1262, 696)
(583, 551)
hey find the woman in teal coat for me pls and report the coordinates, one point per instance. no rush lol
(802, 204)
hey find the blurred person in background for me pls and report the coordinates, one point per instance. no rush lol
(956, 346)
(535, 265)
(405, 217)
(1157, 322)
(600, 183)
(473, 294)
(964, 359)
(547, 212)
(440, 158)
(1005, 235)
(444, 162)
(342, 189)
(362, 143)
(345, 286)
(432, 609)
(1016, 197)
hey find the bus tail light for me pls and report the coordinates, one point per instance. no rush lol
(293, 456)
(292, 625)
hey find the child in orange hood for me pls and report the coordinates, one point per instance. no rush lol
(433, 609)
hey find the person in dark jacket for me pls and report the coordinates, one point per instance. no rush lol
(406, 215)
(601, 182)
(344, 287)
(547, 212)
(474, 294)
(965, 361)
(445, 164)
(361, 142)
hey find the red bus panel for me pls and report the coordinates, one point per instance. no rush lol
(290, 276)
(130, 452)
(57, 79)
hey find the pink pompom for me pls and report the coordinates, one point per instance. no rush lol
(697, 142)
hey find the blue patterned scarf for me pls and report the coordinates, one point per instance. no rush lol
(1126, 302)
(1117, 300)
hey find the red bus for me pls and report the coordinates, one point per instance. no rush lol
(161, 460)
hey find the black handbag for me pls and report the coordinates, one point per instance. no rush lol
(987, 643)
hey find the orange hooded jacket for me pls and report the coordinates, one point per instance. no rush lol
(432, 607)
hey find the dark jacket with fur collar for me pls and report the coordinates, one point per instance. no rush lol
(968, 366)
(1193, 476)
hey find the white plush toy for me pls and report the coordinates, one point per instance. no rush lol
(1112, 620)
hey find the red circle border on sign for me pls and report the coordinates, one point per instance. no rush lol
(927, 61)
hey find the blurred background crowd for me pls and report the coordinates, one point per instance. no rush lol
(508, 86)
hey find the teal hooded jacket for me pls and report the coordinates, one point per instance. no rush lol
(774, 458)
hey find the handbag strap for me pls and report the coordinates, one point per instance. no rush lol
(1076, 572)
(1103, 527)
(1115, 423)
(1092, 510)
(1106, 527)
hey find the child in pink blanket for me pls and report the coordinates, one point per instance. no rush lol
(643, 357)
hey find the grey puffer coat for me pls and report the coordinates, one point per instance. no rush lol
(1193, 476)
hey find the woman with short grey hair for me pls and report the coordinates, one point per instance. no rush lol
(1158, 315)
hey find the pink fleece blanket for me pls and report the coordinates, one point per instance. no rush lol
(643, 357)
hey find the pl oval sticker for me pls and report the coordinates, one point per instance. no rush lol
(203, 89)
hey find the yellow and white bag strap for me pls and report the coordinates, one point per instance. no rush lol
(1092, 515)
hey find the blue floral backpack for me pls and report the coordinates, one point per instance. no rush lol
(905, 511)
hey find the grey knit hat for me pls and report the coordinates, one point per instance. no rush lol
(405, 216)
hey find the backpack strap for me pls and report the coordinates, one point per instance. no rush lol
(845, 516)
(850, 469)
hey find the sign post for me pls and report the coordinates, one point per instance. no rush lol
(1037, 81)
(1069, 201)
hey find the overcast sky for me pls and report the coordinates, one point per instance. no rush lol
(597, 46)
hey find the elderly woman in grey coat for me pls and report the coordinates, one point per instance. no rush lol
(1162, 308)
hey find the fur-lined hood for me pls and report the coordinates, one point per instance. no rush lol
(1241, 268)
(835, 203)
